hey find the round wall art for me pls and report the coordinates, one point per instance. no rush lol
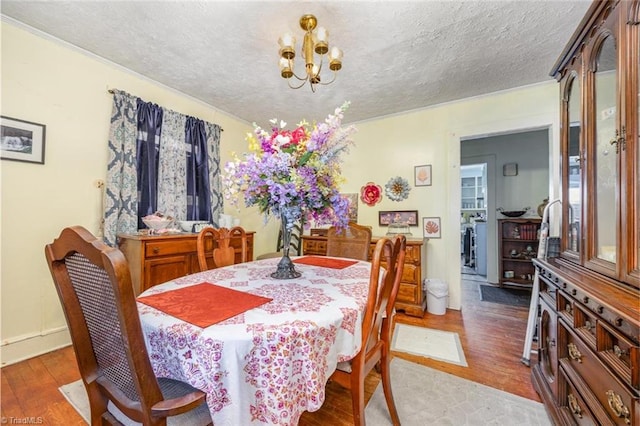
(397, 189)
(371, 194)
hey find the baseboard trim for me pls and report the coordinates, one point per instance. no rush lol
(29, 346)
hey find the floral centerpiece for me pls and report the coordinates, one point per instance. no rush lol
(294, 175)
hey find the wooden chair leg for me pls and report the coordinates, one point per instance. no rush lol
(357, 402)
(386, 387)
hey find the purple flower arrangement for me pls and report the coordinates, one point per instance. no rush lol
(295, 173)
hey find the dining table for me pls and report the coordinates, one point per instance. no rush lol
(262, 349)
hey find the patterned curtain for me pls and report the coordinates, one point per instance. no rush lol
(148, 145)
(172, 171)
(121, 193)
(215, 194)
(159, 160)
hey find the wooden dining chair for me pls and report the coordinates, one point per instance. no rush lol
(94, 286)
(352, 242)
(215, 244)
(377, 328)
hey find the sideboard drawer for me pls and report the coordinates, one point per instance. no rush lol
(408, 293)
(164, 248)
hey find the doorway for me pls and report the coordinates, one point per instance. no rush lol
(473, 219)
(529, 150)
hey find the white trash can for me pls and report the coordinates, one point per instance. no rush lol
(437, 296)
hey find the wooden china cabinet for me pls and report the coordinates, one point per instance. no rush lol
(588, 364)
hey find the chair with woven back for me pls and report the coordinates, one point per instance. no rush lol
(215, 244)
(377, 328)
(94, 285)
(352, 242)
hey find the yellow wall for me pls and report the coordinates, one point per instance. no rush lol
(47, 82)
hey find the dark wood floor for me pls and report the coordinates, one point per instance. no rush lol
(492, 337)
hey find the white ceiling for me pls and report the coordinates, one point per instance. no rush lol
(398, 55)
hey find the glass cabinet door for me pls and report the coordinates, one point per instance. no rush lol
(572, 186)
(605, 156)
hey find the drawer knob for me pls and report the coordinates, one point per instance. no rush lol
(585, 300)
(617, 350)
(574, 292)
(617, 406)
(600, 309)
(574, 353)
(573, 405)
(156, 250)
(619, 322)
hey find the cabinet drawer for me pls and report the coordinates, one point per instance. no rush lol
(408, 293)
(412, 254)
(565, 307)
(620, 353)
(584, 322)
(612, 395)
(314, 247)
(411, 274)
(164, 248)
(572, 402)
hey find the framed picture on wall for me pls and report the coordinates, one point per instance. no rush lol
(422, 175)
(21, 140)
(410, 217)
(431, 227)
(510, 169)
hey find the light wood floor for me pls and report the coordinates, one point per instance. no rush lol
(492, 337)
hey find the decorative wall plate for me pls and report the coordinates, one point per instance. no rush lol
(371, 194)
(397, 189)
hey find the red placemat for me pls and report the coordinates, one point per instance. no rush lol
(203, 304)
(325, 262)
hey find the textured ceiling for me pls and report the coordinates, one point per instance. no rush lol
(398, 55)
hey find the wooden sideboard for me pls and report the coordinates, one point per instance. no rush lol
(155, 259)
(411, 297)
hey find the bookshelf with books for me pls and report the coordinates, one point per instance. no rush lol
(517, 246)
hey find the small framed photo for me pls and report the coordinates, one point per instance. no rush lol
(431, 227)
(410, 217)
(422, 175)
(510, 169)
(21, 140)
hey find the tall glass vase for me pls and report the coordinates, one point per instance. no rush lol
(286, 269)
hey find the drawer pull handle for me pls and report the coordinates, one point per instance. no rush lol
(574, 353)
(573, 405)
(588, 325)
(156, 250)
(618, 407)
(619, 352)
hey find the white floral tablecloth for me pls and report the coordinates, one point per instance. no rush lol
(269, 364)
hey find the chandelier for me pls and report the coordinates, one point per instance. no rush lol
(314, 42)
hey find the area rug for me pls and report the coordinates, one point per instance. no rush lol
(425, 396)
(505, 295)
(434, 344)
(422, 395)
(77, 396)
